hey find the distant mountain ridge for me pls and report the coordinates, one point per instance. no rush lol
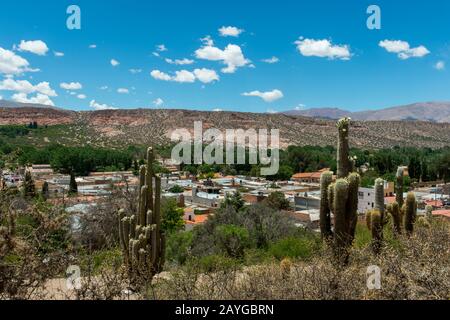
(424, 111)
(13, 104)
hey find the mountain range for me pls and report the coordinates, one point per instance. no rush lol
(426, 111)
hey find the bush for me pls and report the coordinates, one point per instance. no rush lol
(277, 201)
(217, 263)
(292, 247)
(176, 189)
(178, 247)
(233, 240)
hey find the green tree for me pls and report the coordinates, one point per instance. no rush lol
(171, 216)
(73, 187)
(29, 189)
(277, 201)
(235, 200)
(233, 240)
(45, 192)
(178, 247)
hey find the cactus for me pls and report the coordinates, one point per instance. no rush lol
(379, 196)
(399, 187)
(394, 210)
(354, 181)
(286, 266)
(325, 208)
(375, 223)
(343, 159)
(141, 237)
(429, 211)
(340, 198)
(340, 208)
(410, 212)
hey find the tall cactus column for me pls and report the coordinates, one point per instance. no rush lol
(141, 237)
(376, 218)
(410, 212)
(325, 205)
(399, 187)
(343, 150)
(340, 198)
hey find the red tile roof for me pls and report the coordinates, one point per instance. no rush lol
(445, 213)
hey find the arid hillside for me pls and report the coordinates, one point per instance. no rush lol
(144, 126)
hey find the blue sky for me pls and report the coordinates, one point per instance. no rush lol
(338, 62)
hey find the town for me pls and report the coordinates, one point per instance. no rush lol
(199, 198)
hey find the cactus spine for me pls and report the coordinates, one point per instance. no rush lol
(141, 237)
(410, 209)
(341, 198)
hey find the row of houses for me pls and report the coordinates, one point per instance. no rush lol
(200, 198)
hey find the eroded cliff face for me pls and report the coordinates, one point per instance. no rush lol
(44, 116)
(148, 126)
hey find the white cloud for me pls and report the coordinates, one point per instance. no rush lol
(123, 91)
(269, 96)
(272, 111)
(159, 75)
(104, 88)
(161, 48)
(184, 76)
(158, 102)
(230, 31)
(206, 75)
(38, 47)
(440, 65)
(24, 86)
(38, 99)
(11, 63)
(114, 62)
(271, 60)
(92, 46)
(156, 54)
(217, 110)
(58, 54)
(135, 71)
(71, 86)
(1, 97)
(180, 62)
(403, 49)
(232, 56)
(81, 96)
(323, 49)
(99, 106)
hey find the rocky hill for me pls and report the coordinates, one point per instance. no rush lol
(118, 128)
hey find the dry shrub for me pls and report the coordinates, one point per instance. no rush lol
(415, 267)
